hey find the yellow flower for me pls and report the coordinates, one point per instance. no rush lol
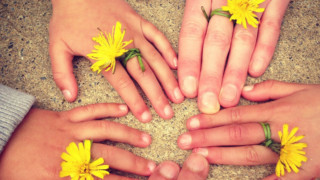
(77, 163)
(110, 47)
(243, 11)
(291, 153)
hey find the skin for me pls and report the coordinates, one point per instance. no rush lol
(196, 167)
(215, 57)
(294, 104)
(36, 145)
(71, 35)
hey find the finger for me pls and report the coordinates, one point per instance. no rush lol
(123, 160)
(237, 134)
(62, 69)
(269, 31)
(96, 111)
(234, 115)
(193, 29)
(245, 155)
(165, 171)
(196, 167)
(243, 43)
(151, 87)
(108, 130)
(215, 51)
(161, 70)
(159, 40)
(123, 84)
(271, 90)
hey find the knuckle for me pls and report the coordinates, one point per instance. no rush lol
(57, 75)
(235, 133)
(237, 73)
(272, 25)
(123, 83)
(269, 84)
(104, 125)
(218, 38)
(210, 79)
(252, 155)
(235, 115)
(192, 30)
(202, 140)
(89, 109)
(245, 36)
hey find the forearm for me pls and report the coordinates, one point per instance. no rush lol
(14, 105)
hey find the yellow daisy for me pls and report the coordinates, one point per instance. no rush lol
(243, 11)
(110, 47)
(291, 153)
(77, 163)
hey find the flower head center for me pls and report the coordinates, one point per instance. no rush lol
(85, 169)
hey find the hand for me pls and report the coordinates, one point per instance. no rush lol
(295, 105)
(35, 148)
(196, 167)
(72, 27)
(208, 46)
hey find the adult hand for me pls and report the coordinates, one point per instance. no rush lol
(204, 49)
(239, 128)
(196, 167)
(72, 26)
(34, 150)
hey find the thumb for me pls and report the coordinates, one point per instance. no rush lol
(62, 70)
(271, 89)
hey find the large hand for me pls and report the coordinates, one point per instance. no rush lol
(72, 27)
(204, 49)
(34, 150)
(295, 105)
(196, 167)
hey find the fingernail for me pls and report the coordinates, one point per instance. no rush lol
(248, 88)
(209, 103)
(185, 140)
(123, 107)
(175, 62)
(196, 163)
(228, 92)
(190, 85)
(146, 116)
(177, 94)
(202, 151)
(151, 166)
(146, 138)
(194, 123)
(66, 94)
(168, 111)
(168, 172)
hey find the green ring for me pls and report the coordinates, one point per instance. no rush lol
(267, 132)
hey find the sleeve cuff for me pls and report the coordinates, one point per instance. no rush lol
(14, 105)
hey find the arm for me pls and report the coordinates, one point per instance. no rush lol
(14, 105)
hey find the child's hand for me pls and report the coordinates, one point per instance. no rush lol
(196, 167)
(34, 150)
(72, 27)
(215, 57)
(295, 105)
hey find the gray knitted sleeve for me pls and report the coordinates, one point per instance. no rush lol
(14, 105)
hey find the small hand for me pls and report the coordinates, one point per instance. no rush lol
(295, 105)
(34, 150)
(72, 27)
(196, 167)
(214, 57)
